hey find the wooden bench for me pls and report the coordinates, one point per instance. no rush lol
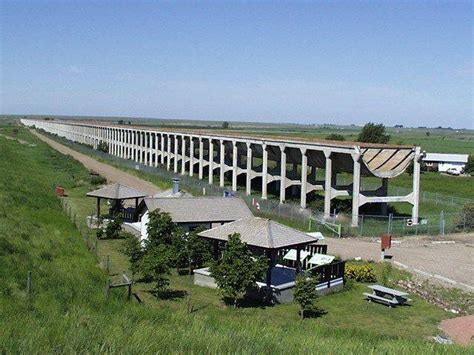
(387, 296)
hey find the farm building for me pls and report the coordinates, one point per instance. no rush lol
(444, 162)
(192, 212)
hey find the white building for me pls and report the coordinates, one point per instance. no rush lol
(444, 162)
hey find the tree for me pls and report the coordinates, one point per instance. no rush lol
(155, 265)
(305, 293)
(469, 168)
(113, 229)
(225, 125)
(427, 133)
(238, 269)
(198, 250)
(132, 247)
(373, 133)
(103, 147)
(161, 229)
(335, 137)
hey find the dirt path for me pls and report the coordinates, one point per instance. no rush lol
(460, 329)
(109, 172)
(451, 264)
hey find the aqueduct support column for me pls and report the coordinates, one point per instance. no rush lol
(162, 148)
(248, 175)
(327, 184)
(264, 171)
(234, 166)
(304, 177)
(416, 185)
(355, 190)
(282, 174)
(183, 155)
(175, 165)
(222, 159)
(191, 156)
(211, 161)
(168, 147)
(201, 158)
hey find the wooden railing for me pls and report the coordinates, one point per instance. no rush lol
(329, 272)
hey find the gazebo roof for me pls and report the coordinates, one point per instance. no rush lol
(260, 232)
(116, 191)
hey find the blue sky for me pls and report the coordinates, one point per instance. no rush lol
(344, 62)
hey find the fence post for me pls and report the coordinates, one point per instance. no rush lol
(28, 283)
(95, 247)
(108, 264)
(107, 287)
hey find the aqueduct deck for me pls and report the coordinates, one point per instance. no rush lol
(274, 161)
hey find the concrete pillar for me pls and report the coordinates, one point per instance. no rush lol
(264, 171)
(183, 155)
(304, 177)
(162, 148)
(146, 148)
(191, 156)
(211, 162)
(157, 150)
(234, 165)
(282, 174)
(168, 147)
(355, 190)
(175, 166)
(327, 184)
(248, 183)
(222, 158)
(416, 185)
(201, 158)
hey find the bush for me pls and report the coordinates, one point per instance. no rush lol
(98, 180)
(466, 219)
(305, 293)
(335, 137)
(103, 147)
(361, 272)
(113, 229)
(373, 133)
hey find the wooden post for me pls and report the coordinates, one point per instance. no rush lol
(298, 260)
(95, 247)
(108, 264)
(107, 288)
(28, 283)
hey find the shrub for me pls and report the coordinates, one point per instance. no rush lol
(98, 180)
(103, 147)
(335, 137)
(466, 219)
(132, 248)
(384, 277)
(373, 133)
(113, 229)
(361, 272)
(305, 293)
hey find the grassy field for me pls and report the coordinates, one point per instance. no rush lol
(67, 310)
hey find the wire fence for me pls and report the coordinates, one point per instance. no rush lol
(312, 220)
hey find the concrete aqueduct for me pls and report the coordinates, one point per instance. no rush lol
(264, 158)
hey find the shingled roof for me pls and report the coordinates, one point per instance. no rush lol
(116, 191)
(200, 209)
(260, 232)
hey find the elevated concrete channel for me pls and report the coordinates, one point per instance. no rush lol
(280, 163)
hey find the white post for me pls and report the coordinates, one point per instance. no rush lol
(175, 166)
(168, 147)
(327, 184)
(222, 156)
(201, 158)
(183, 155)
(282, 174)
(137, 146)
(162, 148)
(416, 185)
(146, 147)
(264, 171)
(248, 182)
(304, 177)
(157, 150)
(211, 162)
(191, 155)
(234, 166)
(356, 190)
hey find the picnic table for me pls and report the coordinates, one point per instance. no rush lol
(387, 296)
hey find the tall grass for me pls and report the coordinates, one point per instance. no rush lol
(67, 310)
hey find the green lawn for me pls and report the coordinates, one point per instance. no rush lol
(67, 310)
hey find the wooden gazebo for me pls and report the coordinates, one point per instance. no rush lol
(263, 236)
(116, 192)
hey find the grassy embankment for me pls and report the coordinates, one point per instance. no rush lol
(67, 310)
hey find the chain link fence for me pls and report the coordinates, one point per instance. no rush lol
(310, 220)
